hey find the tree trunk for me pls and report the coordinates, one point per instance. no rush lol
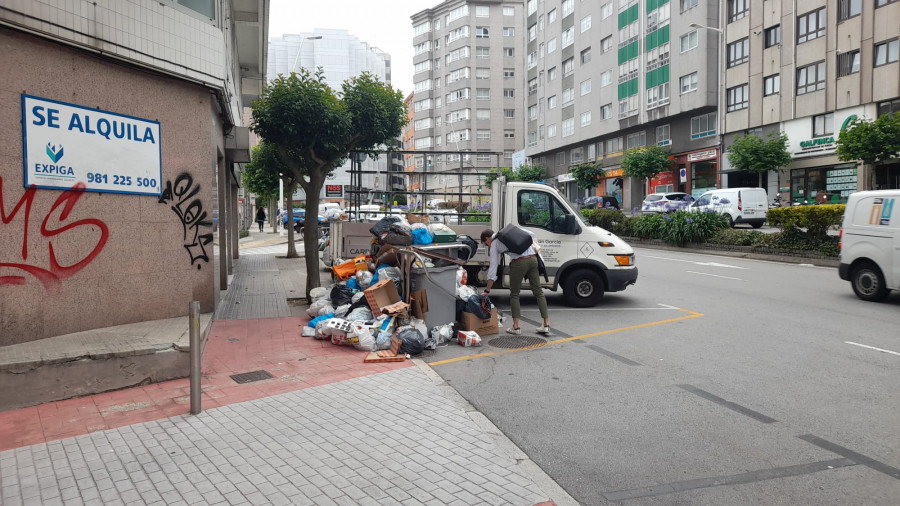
(292, 249)
(760, 174)
(311, 230)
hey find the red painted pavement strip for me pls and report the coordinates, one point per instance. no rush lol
(234, 346)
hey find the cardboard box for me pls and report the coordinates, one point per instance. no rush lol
(381, 294)
(484, 327)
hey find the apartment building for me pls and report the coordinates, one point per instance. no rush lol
(604, 77)
(468, 93)
(807, 68)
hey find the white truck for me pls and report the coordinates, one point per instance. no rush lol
(584, 260)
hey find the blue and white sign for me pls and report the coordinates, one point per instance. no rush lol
(66, 144)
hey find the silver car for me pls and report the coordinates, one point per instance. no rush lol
(665, 202)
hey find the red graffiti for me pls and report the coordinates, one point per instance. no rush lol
(53, 274)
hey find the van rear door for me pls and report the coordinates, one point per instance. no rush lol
(753, 203)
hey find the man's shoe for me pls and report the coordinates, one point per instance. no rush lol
(513, 331)
(543, 330)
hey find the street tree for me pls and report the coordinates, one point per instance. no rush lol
(314, 129)
(644, 163)
(262, 174)
(588, 175)
(528, 173)
(756, 155)
(870, 141)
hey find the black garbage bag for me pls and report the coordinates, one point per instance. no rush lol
(340, 295)
(463, 254)
(383, 225)
(398, 235)
(411, 341)
(480, 306)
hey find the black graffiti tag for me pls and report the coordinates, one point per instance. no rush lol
(191, 214)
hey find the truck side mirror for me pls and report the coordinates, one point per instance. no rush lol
(572, 227)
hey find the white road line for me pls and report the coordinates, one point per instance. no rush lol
(707, 264)
(872, 348)
(714, 275)
(668, 308)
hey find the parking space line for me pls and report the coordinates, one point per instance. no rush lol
(690, 315)
(872, 348)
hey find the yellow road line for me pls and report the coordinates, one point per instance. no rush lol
(691, 314)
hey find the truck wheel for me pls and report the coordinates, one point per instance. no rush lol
(868, 282)
(583, 288)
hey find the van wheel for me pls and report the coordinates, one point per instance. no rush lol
(868, 282)
(583, 288)
(730, 220)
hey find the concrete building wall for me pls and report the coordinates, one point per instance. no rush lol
(104, 259)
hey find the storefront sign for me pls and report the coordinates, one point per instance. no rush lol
(702, 155)
(801, 141)
(840, 180)
(334, 191)
(565, 178)
(615, 173)
(67, 144)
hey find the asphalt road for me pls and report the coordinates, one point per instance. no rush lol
(713, 380)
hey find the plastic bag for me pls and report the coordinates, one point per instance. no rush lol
(314, 323)
(480, 306)
(439, 227)
(461, 253)
(461, 276)
(412, 341)
(417, 226)
(360, 314)
(383, 340)
(398, 237)
(465, 291)
(315, 307)
(383, 225)
(352, 283)
(442, 334)
(340, 295)
(357, 296)
(421, 236)
(341, 311)
(318, 293)
(363, 279)
(327, 309)
(365, 341)
(419, 325)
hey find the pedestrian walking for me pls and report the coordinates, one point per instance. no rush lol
(260, 218)
(521, 266)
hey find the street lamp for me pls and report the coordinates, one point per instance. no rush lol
(300, 49)
(720, 81)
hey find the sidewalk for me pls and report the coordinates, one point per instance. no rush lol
(324, 429)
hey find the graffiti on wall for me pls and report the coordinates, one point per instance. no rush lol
(52, 274)
(191, 214)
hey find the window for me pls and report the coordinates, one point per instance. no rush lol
(509, 134)
(881, 3)
(423, 85)
(585, 23)
(636, 140)
(532, 85)
(481, 32)
(532, 112)
(551, 74)
(688, 83)
(811, 25)
(457, 34)
(568, 6)
(811, 78)
(423, 105)
(482, 11)
(658, 17)
(586, 118)
(482, 114)
(568, 66)
(606, 44)
(773, 36)
(847, 63)
(458, 135)
(628, 107)
(823, 124)
(458, 54)
(455, 96)
(457, 13)
(772, 85)
(509, 73)
(421, 48)
(568, 97)
(509, 92)
(658, 95)
(586, 56)
(482, 52)
(551, 102)
(568, 37)
(509, 51)
(532, 59)
(422, 124)
(551, 131)
(458, 74)
(509, 113)
(541, 209)
(422, 66)
(531, 6)
(848, 8)
(551, 16)
(663, 135)
(889, 107)
(460, 115)
(482, 135)
(738, 52)
(628, 70)
(738, 97)
(483, 94)
(585, 87)
(423, 143)
(737, 9)
(606, 111)
(422, 28)
(614, 146)
(689, 41)
(551, 45)
(886, 52)
(606, 78)
(532, 32)
(576, 156)
(509, 11)
(568, 127)
(607, 10)
(703, 126)
(687, 4)
(481, 73)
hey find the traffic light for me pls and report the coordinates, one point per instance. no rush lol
(383, 195)
(479, 189)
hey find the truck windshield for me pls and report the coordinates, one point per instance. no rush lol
(541, 209)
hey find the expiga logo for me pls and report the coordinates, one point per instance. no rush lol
(55, 154)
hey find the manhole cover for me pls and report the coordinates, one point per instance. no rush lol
(248, 377)
(513, 342)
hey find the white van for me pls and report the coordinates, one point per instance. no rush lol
(740, 205)
(870, 243)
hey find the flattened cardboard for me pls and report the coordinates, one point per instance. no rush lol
(392, 355)
(484, 327)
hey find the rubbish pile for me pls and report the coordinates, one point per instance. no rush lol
(401, 300)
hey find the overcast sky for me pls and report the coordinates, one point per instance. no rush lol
(384, 24)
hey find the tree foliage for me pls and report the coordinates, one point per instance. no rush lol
(870, 141)
(261, 175)
(529, 173)
(588, 175)
(646, 162)
(757, 155)
(313, 129)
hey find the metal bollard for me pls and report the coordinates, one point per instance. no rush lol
(194, 318)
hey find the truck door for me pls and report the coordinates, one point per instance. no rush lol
(542, 213)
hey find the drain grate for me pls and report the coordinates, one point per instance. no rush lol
(513, 342)
(249, 377)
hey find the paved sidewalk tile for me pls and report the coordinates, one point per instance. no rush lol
(283, 449)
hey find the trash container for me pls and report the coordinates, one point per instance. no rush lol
(441, 289)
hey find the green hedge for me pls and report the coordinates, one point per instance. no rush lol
(678, 228)
(816, 219)
(792, 239)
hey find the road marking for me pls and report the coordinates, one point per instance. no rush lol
(728, 404)
(859, 458)
(708, 264)
(668, 308)
(714, 275)
(691, 314)
(612, 355)
(872, 348)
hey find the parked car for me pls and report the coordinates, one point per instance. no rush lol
(601, 201)
(665, 202)
(739, 205)
(870, 244)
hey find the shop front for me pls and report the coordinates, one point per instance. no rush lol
(693, 173)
